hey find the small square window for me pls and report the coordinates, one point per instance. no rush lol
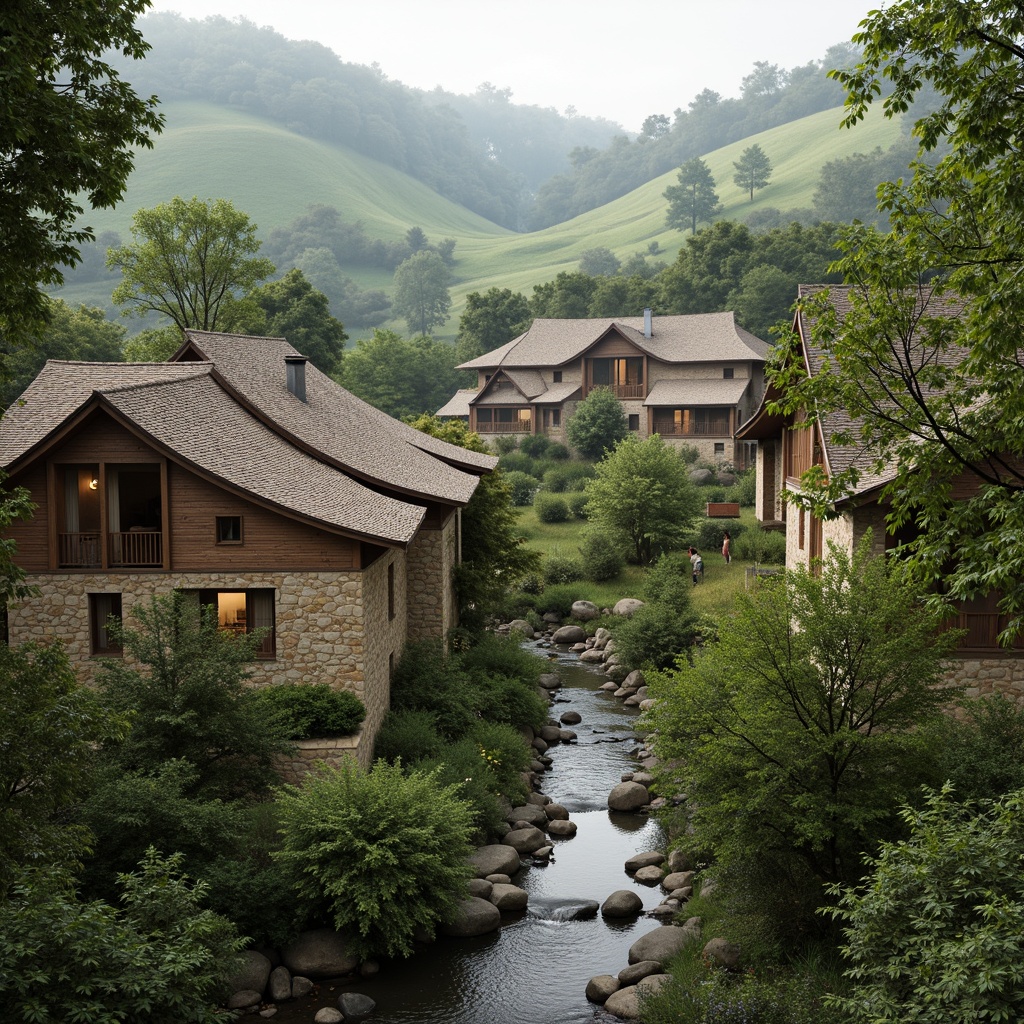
(634, 421)
(229, 529)
(719, 447)
(103, 608)
(556, 377)
(727, 373)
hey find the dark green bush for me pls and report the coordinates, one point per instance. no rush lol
(577, 502)
(655, 636)
(535, 445)
(689, 454)
(560, 598)
(517, 462)
(505, 444)
(551, 508)
(669, 582)
(711, 531)
(602, 561)
(571, 476)
(562, 569)
(523, 487)
(409, 735)
(763, 546)
(427, 679)
(558, 452)
(982, 755)
(313, 709)
(745, 490)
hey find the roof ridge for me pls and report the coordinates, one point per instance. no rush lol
(140, 384)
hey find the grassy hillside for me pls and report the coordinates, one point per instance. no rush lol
(274, 175)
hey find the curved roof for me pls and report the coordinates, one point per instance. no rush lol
(183, 410)
(335, 424)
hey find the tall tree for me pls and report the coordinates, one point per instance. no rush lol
(597, 424)
(753, 169)
(189, 260)
(930, 396)
(69, 126)
(295, 310)
(421, 292)
(694, 198)
(642, 497)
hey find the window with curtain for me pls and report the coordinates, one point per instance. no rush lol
(245, 611)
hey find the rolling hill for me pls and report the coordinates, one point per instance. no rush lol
(274, 175)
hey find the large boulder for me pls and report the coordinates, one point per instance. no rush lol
(550, 681)
(664, 942)
(637, 972)
(526, 840)
(643, 860)
(569, 635)
(628, 796)
(622, 903)
(252, 973)
(627, 606)
(584, 611)
(522, 627)
(601, 987)
(701, 477)
(626, 1002)
(509, 897)
(474, 917)
(497, 859)
(530, 813)
(561, 828)
(677, 880)
(723, 952)
(480, 887)
(355, 1006)
(280, 986)
(321, 953)
(650, 875)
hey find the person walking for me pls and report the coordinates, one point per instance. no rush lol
(726, 548)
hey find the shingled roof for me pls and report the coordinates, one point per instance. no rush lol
(185, 413)
(693, 338)
(334, 424)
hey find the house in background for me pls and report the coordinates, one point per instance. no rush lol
(691, 379)
(242, 476)
(786, 450)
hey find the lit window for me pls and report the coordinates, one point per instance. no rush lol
(104, 609)
(245, 611)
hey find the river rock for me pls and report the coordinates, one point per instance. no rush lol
(540, 745)
(635, 680)
(622, 903)
(626, 1002)
(628, 796)
(526, 840)
(599, 988)
(522, 627)
(499, 879)
(570, 718)
(539, 799)
(663, 943)
(355, 1006)
(592, 657)
(627, 606)
(609, 687)
(616, 672)
(569, 635)
(474, 917)
(644, 778)
(328, 1015)
(252, 973)
(678, 861)
(567, 735)
(561, 828)
(644, 860)
(480, 887)
(584, 611)
(244, 999)
(677, 880)
(496, 859)
(650, 875)
(556, 812)
(280, 985)
(301, 987)
(320, 953)
(724, 952)
(550, 734)
(530, 813)
(550, 681)
(509, 897)
(637, 972)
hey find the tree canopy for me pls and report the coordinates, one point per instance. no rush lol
(694, 198)
(753, 169)
(935, 400)
(421, 292)
(597, 425)
(190, 259)
(69, 127)
(490, 320)
(642, 497)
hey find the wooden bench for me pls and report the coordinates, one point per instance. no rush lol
(723, 510)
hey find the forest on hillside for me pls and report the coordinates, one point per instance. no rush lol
(521, 166)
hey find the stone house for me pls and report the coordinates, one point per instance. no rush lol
(786, 451)
(245, 477)
(692, 379)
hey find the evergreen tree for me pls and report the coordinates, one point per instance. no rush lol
(694, 198)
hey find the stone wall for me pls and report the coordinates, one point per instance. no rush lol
(330, 627)
(431, 598)
(982, 676)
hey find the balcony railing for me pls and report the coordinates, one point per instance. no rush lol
(515, 427)
(623, 390)
(668, 428)
(78, 550)
(137, 548)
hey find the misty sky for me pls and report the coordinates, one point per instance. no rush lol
(619, 60)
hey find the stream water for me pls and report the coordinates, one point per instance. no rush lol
(536, 968)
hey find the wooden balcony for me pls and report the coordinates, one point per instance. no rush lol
(78, 550)
(137, 549)
(628, 390)
(513, 427)
(668, 428)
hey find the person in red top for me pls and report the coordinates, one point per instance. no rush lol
(726, 553)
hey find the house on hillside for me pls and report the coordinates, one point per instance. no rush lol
(691, 379)
(245, 477)
(786, 451)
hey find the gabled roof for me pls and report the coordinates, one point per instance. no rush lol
(185, 412)
(693, 338)
(691, 392)
(335, 425)
(458, 404)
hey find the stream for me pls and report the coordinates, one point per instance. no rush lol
(536, 967)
